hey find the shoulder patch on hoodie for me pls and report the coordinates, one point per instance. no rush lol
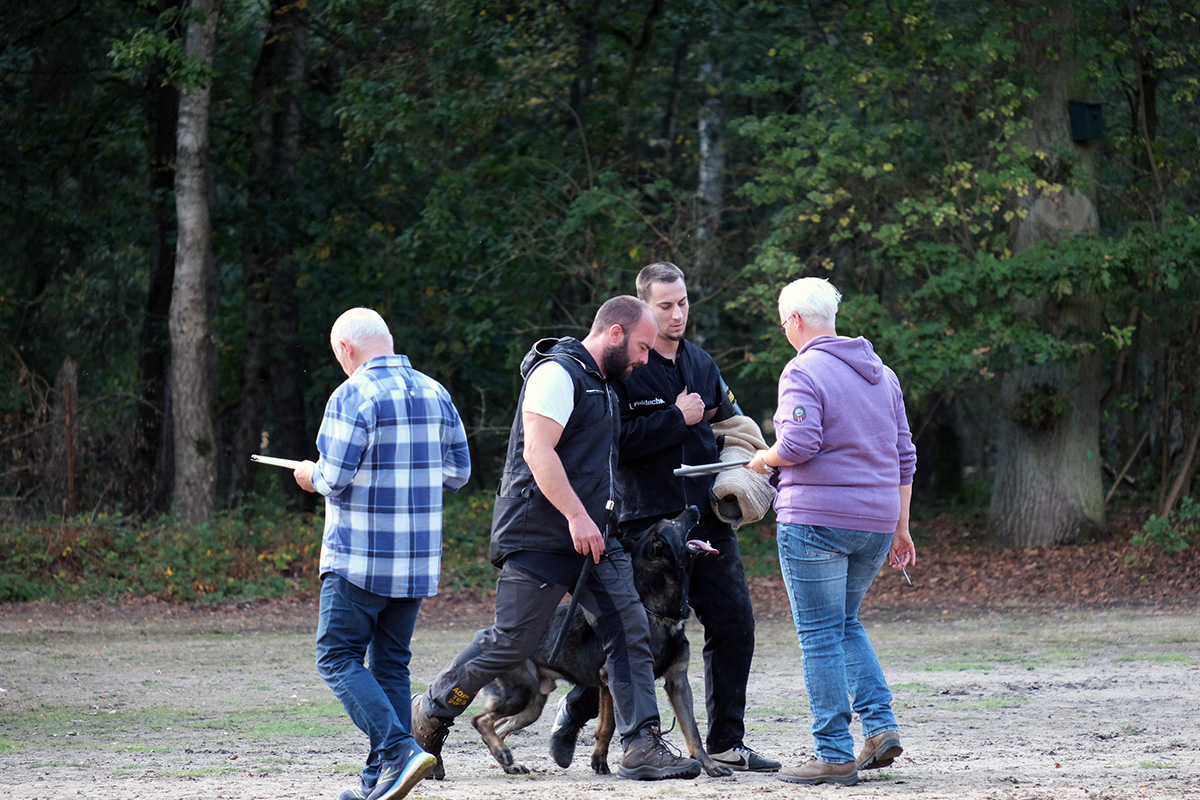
(798, 414)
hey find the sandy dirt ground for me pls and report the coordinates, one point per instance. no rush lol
(158, 703)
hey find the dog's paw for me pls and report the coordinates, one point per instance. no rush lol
(515, 769)
(714, 770)
(600, 766)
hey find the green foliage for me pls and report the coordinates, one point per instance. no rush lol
(232, 556)
(252, 552)
(466, 537)
(1175, 532)
(484, 176)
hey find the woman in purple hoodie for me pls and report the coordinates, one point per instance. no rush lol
(844, 463)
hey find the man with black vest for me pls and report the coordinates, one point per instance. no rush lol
(559, 477)
(667, 410)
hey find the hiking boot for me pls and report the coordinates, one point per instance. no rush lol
(880, 751)
(649, 758)
(743, 759)
(563, 735)
(397, 776)
(815, 772)
(430, 733)
(360, 792)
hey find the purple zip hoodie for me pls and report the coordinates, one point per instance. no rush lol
(841, 422)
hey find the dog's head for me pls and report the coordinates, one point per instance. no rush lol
(661, 564)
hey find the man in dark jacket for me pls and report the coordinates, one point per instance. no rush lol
(559, 476)
(666, 412)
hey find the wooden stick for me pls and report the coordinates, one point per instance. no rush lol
(1125, 469)
(286, 463)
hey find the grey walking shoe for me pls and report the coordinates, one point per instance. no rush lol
(649, 758)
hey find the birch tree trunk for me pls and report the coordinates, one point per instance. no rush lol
(191, 388)
(1048, 487)
(710, 191)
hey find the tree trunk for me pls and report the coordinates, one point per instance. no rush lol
(710, 192)
(1048, 486)
(191, 388)
(271, 311)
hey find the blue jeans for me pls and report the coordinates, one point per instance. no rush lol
(354, 625)
(827, 572)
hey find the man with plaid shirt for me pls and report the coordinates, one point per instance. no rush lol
(391, 440)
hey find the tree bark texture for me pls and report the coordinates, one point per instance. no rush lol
(710, 191)
(1048, 487)
(191, 384)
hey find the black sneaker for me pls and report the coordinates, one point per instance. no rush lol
(430, 733)
(649, 758)
(563, 736)
(743, 759)
(399, 775)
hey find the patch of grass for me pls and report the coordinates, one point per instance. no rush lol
(76, 726)
(1062, 656)
(10, 746)
(1156, 765)
(325, 718)
(1005, 702)
(886, 776)
(990, 704)
(915, 688)
(205, 772)
(141, 748)
(1163, 659)
(1177, 638)
(954, 667)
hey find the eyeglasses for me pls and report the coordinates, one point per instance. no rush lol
(783, 325)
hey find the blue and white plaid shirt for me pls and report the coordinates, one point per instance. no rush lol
(390, 441)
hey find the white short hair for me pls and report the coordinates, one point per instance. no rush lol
(814, 299)
(359, 325)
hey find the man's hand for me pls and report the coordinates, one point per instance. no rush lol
(588, 539)
(691, 406)
(303, 475)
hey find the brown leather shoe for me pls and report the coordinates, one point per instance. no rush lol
(430, 733)
(649, 758)
(880, 751)
(821, 772)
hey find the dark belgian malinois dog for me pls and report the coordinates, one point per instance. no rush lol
(661, 566)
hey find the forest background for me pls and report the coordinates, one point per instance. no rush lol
(193, 190)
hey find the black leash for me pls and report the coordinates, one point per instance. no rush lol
(579, 587)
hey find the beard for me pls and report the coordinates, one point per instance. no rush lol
(615, 361)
